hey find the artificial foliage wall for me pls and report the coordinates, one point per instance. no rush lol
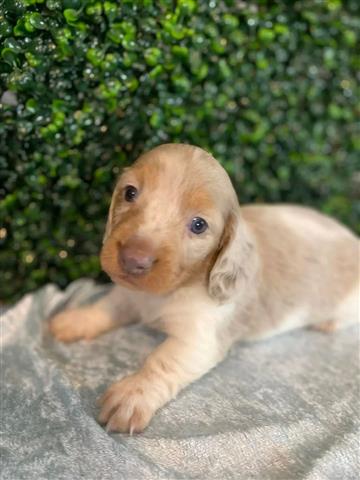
(270, 88)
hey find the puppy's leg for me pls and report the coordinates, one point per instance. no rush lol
(81, 323)
(129, 404)
(329, 326)
(347, 314)
(90, 321)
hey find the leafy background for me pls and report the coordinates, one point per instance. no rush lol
(270, 88)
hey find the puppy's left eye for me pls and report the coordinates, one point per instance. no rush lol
(198, 225)
(130, 193)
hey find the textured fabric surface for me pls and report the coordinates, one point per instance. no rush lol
(287, 408)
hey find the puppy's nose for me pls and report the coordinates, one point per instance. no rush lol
(135, 260)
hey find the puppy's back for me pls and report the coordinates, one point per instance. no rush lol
(307, 259)
(304, 219)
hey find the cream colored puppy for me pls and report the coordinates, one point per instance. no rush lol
(190, 262)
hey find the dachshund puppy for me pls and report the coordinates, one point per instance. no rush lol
(188, 261)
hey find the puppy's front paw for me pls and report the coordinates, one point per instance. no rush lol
(128, 405)
(79, 323)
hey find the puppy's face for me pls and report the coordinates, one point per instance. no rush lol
(166, 219)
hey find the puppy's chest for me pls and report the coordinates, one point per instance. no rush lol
(184, 311)
(165, 313)
(149, 309)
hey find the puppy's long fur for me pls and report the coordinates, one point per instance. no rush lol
(255, 272)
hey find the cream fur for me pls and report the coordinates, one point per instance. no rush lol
(258, 271)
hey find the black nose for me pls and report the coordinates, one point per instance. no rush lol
(135, 262)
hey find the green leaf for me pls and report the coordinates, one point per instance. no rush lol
(152, 56)
(71, 15)
(37, 21)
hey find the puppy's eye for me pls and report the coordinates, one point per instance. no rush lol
(130, 193)
(198, 225)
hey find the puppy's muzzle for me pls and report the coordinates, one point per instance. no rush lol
(136, 257)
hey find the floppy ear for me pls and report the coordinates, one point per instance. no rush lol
(110, 219)
(236, 263)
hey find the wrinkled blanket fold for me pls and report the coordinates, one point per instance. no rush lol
(286, 408)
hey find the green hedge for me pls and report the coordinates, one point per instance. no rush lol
(269, 87)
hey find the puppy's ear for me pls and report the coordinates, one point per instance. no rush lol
(236, 263)
(110, 219)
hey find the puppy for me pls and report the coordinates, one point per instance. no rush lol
(188, 261)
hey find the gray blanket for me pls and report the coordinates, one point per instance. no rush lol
(287, 408)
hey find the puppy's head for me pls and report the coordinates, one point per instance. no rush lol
(174, 217)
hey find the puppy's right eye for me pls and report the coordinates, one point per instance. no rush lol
(130, 193)
(198, 225)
